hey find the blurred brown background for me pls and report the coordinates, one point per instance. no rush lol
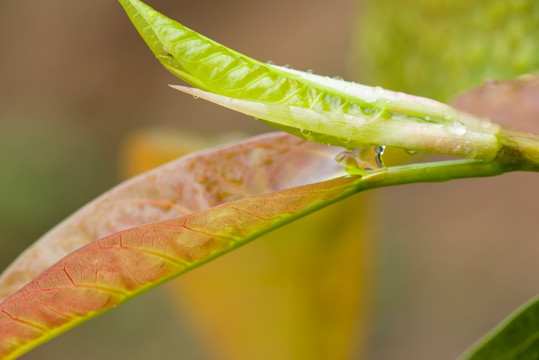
(75, 78)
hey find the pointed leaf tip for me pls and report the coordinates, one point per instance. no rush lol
(110, 271)
(194, 182)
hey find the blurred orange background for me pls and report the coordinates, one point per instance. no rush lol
(452, 259)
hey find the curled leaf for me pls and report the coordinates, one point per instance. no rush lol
(195, 182)
(317, 108)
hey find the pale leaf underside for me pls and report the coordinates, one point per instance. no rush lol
(195, 182)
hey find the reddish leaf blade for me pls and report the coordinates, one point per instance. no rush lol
(107, 272)
(511, 103)
(195, 182)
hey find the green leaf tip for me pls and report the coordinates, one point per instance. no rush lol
(139, 13)
(517, 337)
(317, 108)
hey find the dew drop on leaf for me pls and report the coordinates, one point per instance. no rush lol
(359, 161)
(485, 123)
(379, 151)
(456, 128)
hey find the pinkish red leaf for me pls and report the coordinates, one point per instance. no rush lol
(108, 272)
(195, 182)
(512, 103)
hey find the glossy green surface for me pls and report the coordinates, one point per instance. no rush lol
(317, 108)
(517, 337)
(213, 67)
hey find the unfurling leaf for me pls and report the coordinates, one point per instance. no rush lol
(317, 108)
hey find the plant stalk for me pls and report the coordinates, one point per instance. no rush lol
(518, 150)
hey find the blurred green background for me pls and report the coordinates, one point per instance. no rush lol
(453, 258)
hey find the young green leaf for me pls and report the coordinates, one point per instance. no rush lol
(195, 182)
(517, 337)
(317, 108)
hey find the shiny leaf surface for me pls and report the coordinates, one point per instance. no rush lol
(517, 337)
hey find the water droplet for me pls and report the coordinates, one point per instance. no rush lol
(310, 71)
(485, 123)
(427, 118)
(195, 97)
(305, 132)
(411, 152)
(287, 66)
(337, 78)
(379, 151)
(345, 140)
(269, 62)
(457, 128)
(150, 13)
(447, 114)
(358, 161)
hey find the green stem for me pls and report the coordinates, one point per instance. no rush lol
(429, 172)
(518, 150)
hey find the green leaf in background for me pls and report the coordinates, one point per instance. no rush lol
(516, 338)
(439, 48)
